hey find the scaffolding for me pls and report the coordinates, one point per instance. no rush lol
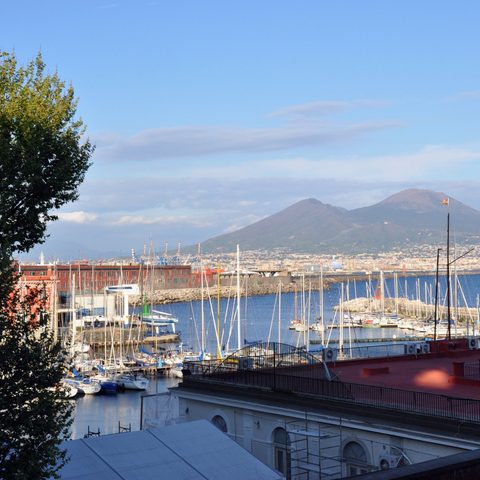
(315, 450)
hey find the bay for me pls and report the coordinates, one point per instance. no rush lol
(260, 320)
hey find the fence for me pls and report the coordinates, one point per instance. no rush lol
(472, 370)
(310, 381)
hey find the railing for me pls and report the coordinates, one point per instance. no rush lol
(373, 351)
(405, 401)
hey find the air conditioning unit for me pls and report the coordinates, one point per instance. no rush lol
(245, 363)
(411, 348)
(329, 354)
(388, 461)
(472, 343)
(423, 348)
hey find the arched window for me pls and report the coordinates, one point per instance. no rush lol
(283, 460)
(355, 459)
(220, 423)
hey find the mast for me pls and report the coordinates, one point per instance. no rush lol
(340, 323)
(436, 298)
(239, 327)
(321, 305)
(382, 294)
(309, 310)
(448, 275)
(218, 310)
(203, 312)
(279, 311)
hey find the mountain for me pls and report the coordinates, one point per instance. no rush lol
(410, 217)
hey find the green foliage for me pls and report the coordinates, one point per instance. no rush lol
(42, 164)
(34, 415)
(41, 155)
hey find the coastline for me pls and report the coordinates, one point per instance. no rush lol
(163, 297)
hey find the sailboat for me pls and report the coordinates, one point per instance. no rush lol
(158, 319)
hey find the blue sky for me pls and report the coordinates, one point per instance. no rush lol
(211, 115)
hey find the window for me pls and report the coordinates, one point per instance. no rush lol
(220, 423)
(281, 442)
(355, 459)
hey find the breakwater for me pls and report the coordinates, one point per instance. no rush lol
(162, 297)
(290, 284)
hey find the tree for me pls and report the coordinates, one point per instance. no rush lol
(35, 416)
(42, 158)
(42, 163)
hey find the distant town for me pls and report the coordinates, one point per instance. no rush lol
(414, 258)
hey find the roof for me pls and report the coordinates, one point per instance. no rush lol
(423, 372)
(184, 451)
(419, 388)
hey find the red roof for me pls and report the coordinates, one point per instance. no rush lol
(439, 372)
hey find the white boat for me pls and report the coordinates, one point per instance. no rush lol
(176, 371)
(158, 319)
(371, 322)
(107, 384)
(131, 381)
(84, 386)
(317, 327)
(69, 390)
(301, 327)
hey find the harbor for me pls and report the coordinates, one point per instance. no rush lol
(262, 319)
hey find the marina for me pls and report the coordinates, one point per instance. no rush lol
(260, 321)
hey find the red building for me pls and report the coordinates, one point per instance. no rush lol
(94, 278)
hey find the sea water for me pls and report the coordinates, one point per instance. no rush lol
(263, 318)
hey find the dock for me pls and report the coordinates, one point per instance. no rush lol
(374, 340)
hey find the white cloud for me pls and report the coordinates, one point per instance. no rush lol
(314, 109)
(198, 141)
(463, 95)
(77, 217)
(157, 220)
(325, 108)
(415, 165)
(238, 223)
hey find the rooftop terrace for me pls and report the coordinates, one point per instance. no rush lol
(443, 384)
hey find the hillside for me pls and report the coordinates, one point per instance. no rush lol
(409, 217)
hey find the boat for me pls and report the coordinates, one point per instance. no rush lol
(69, 390)
(84, 386)
(371, 322)
(107, 384)
(301, 327)
(318, 327)
(177, 370)
(131, 381)
(158, 319)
